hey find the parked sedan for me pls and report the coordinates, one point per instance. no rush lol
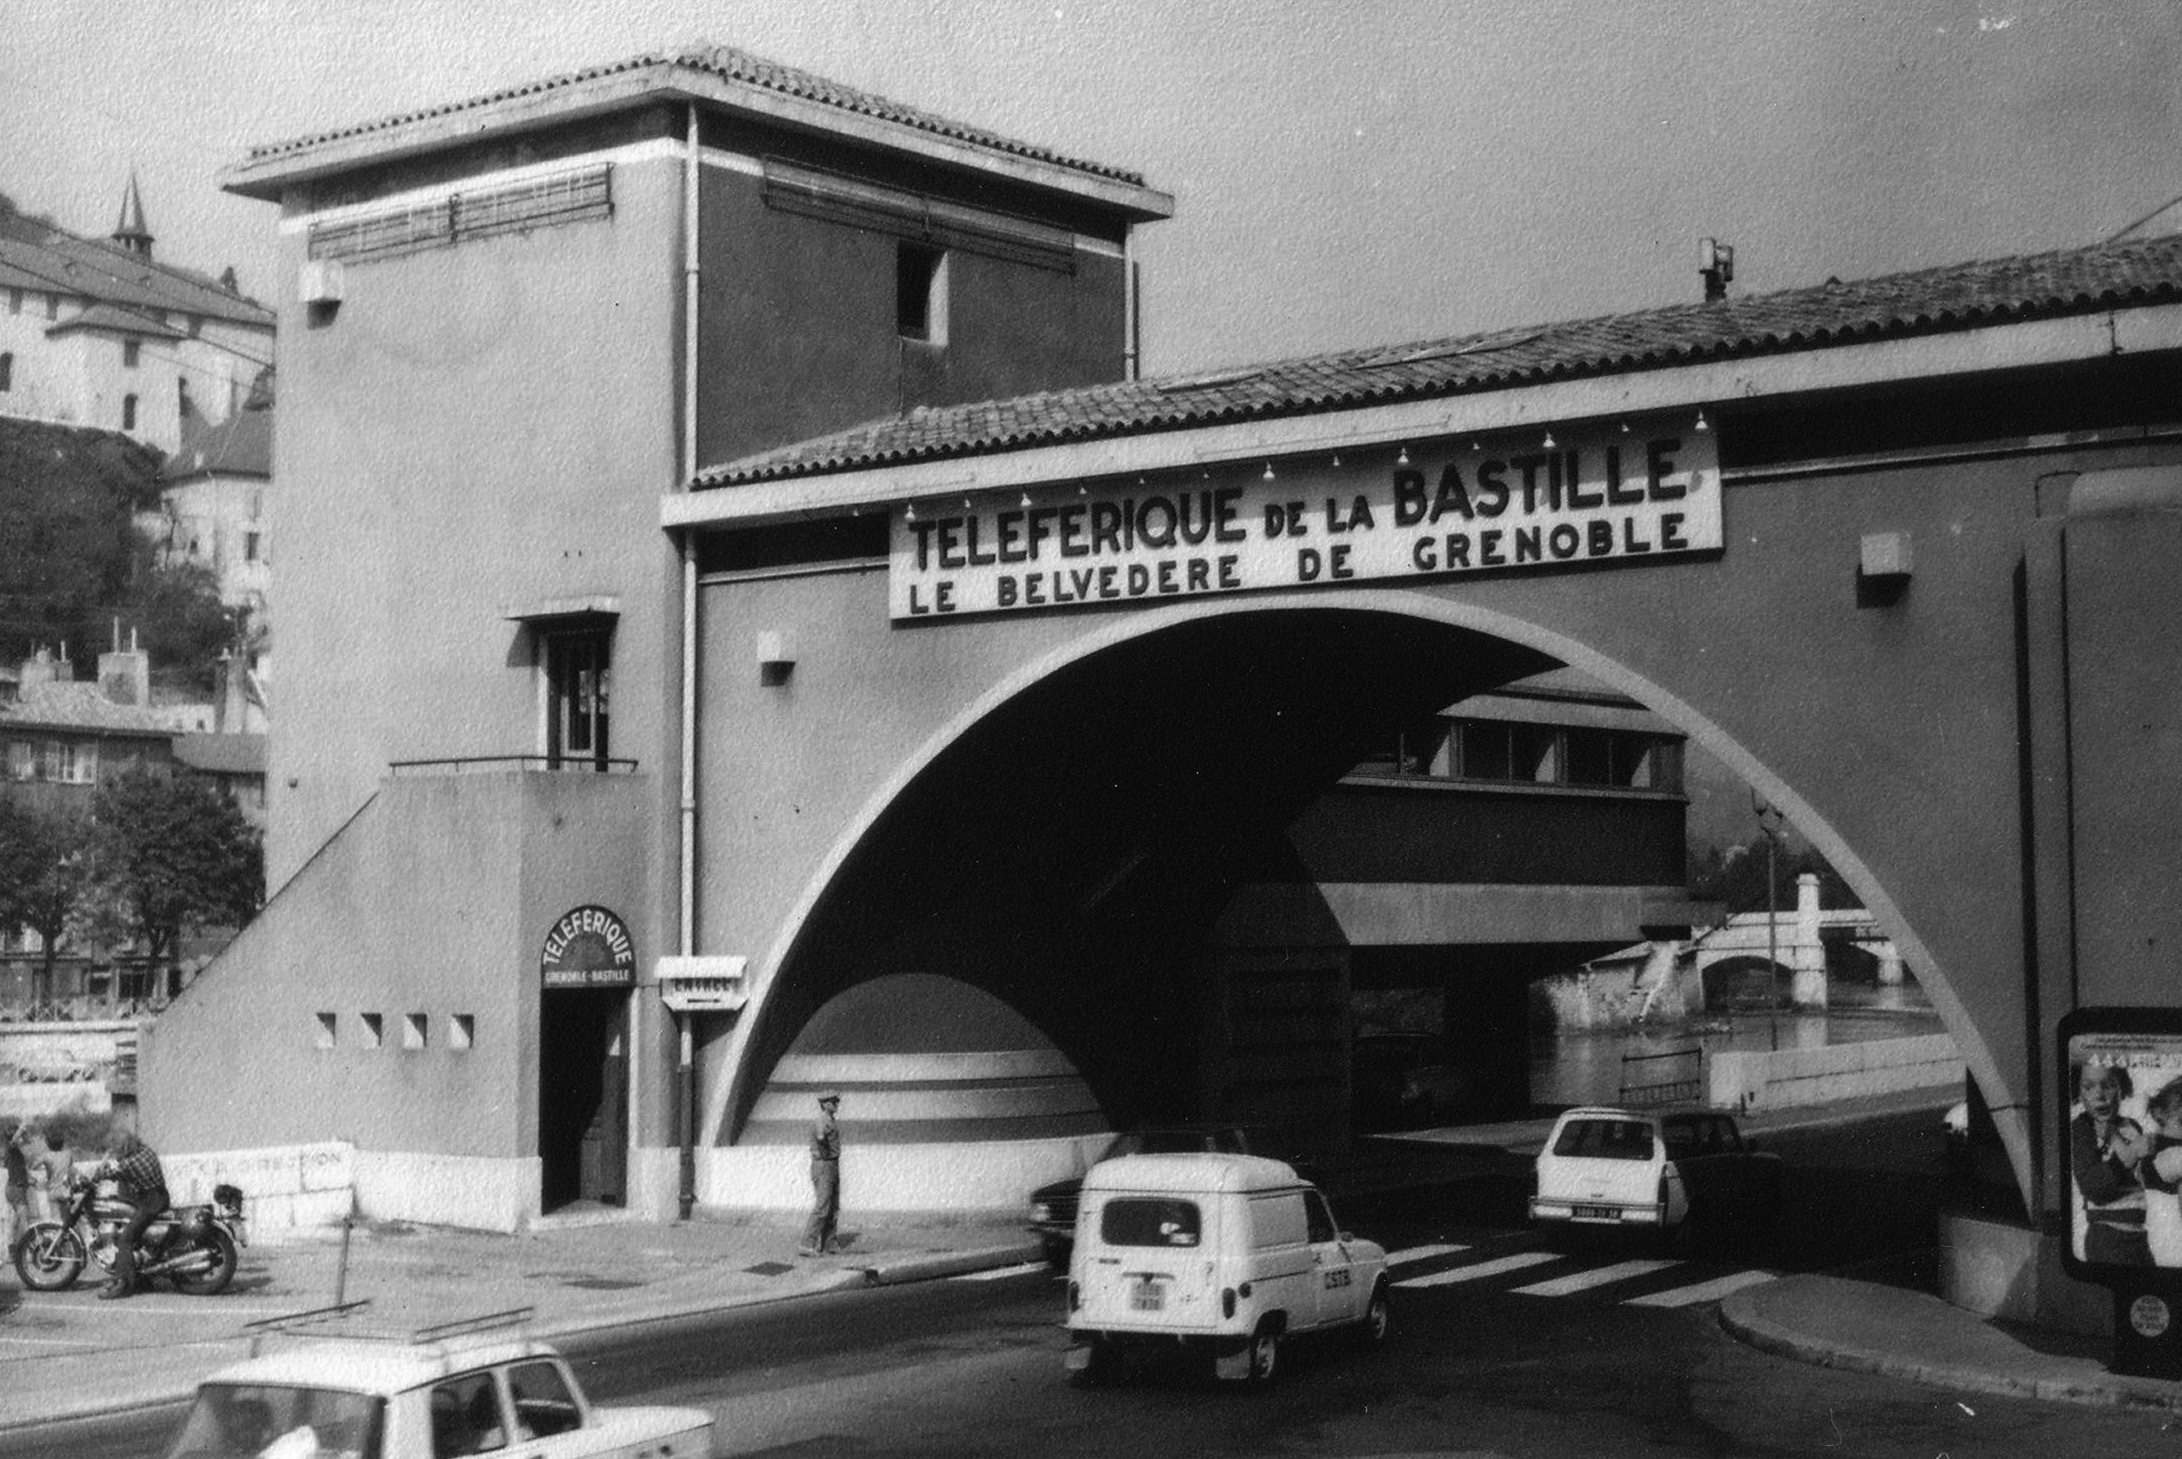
(1654, 1170)
(1053, 1207)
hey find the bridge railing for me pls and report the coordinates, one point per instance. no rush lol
(1672, 1076)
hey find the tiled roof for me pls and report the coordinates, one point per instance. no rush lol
(1928, 301)
(80, 706)
(241, 445)
(121, 321)
(222, 754)
(727, 63)
(58, 262)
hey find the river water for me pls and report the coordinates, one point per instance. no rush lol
(1586, 1068)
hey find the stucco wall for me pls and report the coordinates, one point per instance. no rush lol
(1888, 733)
(435, 900)
(798, 328)
(475, 428)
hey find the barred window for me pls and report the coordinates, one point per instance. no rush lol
(564, 197)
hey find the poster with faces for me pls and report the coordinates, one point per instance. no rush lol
(2123, 1145)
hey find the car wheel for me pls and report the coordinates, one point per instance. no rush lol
(1264, 1354)
(1378, 1317)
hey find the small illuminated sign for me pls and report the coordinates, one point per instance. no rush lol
(589, 947)
(1547, 501)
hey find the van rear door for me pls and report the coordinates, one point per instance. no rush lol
(1148, 1263)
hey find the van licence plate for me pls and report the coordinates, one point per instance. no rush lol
(1598, 1213)
(1147, 1296)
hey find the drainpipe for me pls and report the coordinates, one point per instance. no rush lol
(686, 1073)
(1132, 360)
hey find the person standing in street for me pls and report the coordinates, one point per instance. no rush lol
(18, 1169)
(818, 1233)
(54, 1168)
(135, 1166)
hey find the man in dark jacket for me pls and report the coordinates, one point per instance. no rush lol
(135, 1167)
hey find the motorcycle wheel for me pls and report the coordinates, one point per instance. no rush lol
(212, 1280)
(49, 1257)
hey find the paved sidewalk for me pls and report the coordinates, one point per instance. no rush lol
(68, 1354)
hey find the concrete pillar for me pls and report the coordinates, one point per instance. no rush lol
(1807, 953)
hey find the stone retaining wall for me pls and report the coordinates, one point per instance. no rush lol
(1747, 1081)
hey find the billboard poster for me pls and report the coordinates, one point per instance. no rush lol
(2122, 1141)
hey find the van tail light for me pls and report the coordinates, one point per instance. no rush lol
(1227, 1301)
(1075, 1297)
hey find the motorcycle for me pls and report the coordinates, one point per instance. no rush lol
(194, 1247)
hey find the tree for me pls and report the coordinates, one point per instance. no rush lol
(180, 854)
(175, 611)
(45, 869)
(69, 545)
(1735, 877)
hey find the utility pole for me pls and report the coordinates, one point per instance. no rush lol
(1769, 819)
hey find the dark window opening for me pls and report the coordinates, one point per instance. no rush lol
(7, 372)
(131, 351)
(128, 412)
(1150, 1221)
(920, 300)
(577, 673)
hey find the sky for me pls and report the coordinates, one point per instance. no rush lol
(1347, 172)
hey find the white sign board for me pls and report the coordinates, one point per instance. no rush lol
(1605, 495)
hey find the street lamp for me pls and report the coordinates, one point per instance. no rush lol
(1769, 819)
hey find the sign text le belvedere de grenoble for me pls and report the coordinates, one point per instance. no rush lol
(1492, 505)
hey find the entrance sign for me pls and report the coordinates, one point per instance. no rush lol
(588, 948)
(1559, 499)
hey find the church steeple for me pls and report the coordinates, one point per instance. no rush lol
(130, 232)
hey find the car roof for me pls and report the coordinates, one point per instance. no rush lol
(373, 1368)
(1192, 1174)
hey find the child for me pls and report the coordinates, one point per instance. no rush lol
(2162, 1176)
(2105, 1147)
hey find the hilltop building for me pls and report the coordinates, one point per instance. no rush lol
(103, 333)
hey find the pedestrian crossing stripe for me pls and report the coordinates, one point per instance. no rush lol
(1571, 1283)
(1596, 1277)
(1702, 1291)
(1423, 1253)
(1477, 1271)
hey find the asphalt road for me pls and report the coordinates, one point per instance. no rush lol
(1503, 1345)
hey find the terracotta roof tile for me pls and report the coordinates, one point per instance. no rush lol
(1927, 301)
(80, 706)
(728, 63)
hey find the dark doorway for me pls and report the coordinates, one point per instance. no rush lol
(583, 1096)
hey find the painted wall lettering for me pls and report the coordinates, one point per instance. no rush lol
(1483, 505)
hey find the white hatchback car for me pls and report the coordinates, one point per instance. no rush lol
(480, 1392)
(1653, 1170)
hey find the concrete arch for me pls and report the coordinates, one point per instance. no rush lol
(1107, 633)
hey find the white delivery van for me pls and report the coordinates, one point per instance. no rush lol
(1226, 1255)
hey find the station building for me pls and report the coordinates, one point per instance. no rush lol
(1036, 748)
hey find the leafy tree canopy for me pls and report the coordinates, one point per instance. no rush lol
(180, 854)
(69, 547)
(1736, 876)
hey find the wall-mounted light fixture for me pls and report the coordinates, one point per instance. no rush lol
(1883, 568)
(776, 659)
(1268, 471)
